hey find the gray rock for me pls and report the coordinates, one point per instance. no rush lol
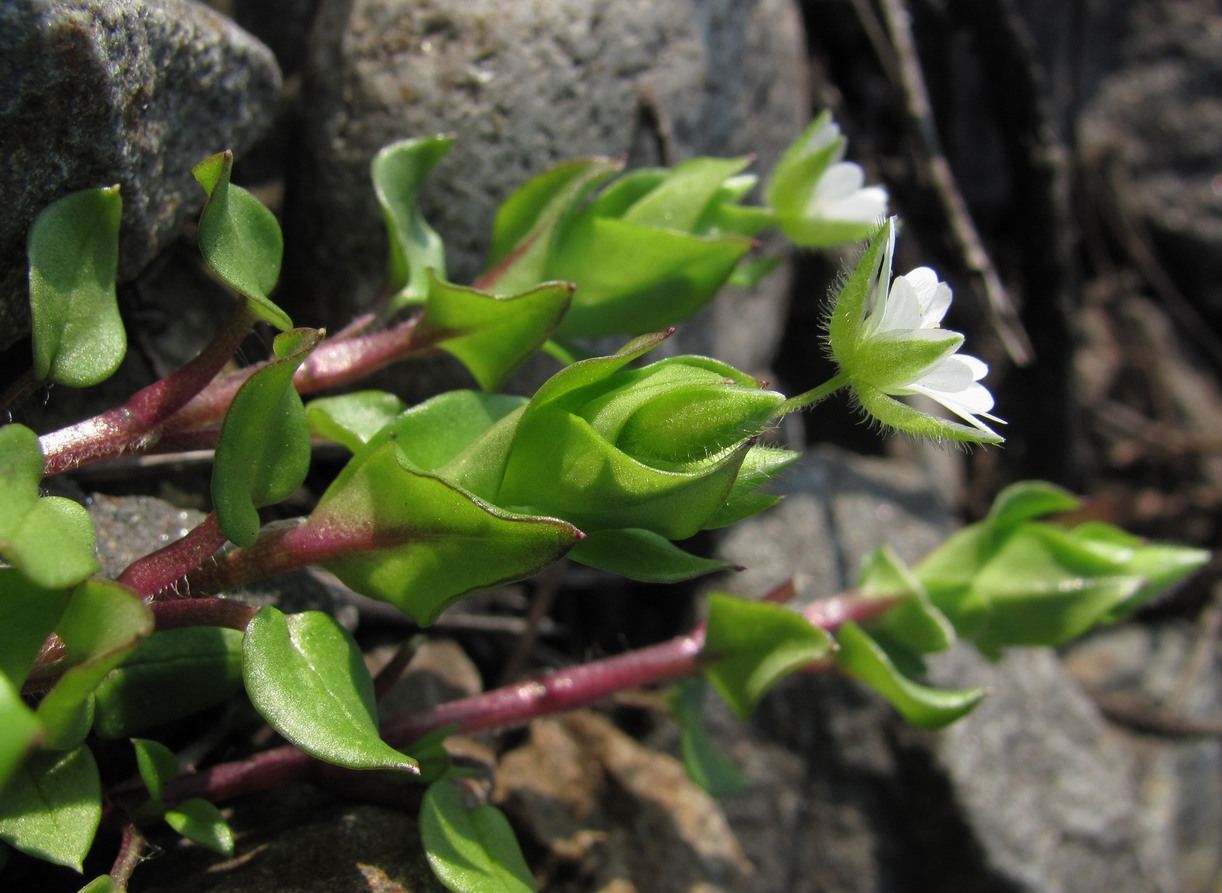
(97, 92)
(523, 86)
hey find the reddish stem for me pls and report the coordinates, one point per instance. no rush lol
(156, 574)
(136, 425)
(203, 612)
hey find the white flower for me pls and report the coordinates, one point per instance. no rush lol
(840, 197)
(888, 341)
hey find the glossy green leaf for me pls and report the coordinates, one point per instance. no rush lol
(22, 730)
(745, 499)
(527, 222)
(201, 823)
(156, 764)
(100, 884)
(643, 555)
(432, 434)
(240, 239)
(306, 677)
(172, 674)
(930, 708)
(101, 625)
(50, 539)
(913, 623)
(681, 200)
(52, 806)
(263, 453)
(352, 419)
(470, 849)
(399, 171)
(492, 334)
(28, 614)
(706, 764)
(78, 335)
(419, 542)
(750, 646)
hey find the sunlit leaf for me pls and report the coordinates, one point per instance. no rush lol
(52, 806)
(351, 419)
(240, 238)
(750, 646)
(201, 823)
(913, 622)
(156, 764)
(471, 849)
(22, 730)
(643, 555)
(263, 453)
(28, 614)
(78, 335)
(706, 764)
(306, 677)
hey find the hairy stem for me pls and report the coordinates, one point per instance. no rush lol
(156, 574)
(136, 425)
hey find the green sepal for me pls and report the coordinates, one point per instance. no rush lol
(398, 171)
(858, 295)
(78, 335)
(172, 674)
(902, 417)
(240, 239)
(706, 764)
(263, 453)
(750, 646)
(352, 419)
(100, 626)
(796, 175)
(305, 676)
(527, 223)
(22, 729)
(28, 614)
(491, 334)
(201, 823)
(156, 765)
(861, 657)
(470, 849)
(52, 806)
(644, 556)
(50, 539)
(420, 543)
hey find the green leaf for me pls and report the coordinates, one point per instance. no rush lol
(706, 764)
(78, 335)
(471, 850)
(745, 498)
(929, 708)
(526, 223)
(798, 172)
(750, 646)
(52, 806)
(398, 171)
(263, 453)
(22, 730)
(491, 334)
(156, 764)
(419, 542)
(202, 823)
(100, 884)
(240, 239)
(49, 539)
(1026, 501)
(682, 199)
(28, 614)
(352, 419)
(1157, 565)
(305, 676)
(170, 675)
(913, 623)
(101, 625)
(643, 555)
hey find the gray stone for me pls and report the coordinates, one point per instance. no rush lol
(97, 92)
(523, 86)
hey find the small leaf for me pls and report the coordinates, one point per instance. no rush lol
(78, 335)
(470, 850)
(28, 614)
(492, 334)
(240, 239)
(398, 171)
(263, 453)
(643, 555)
(202, 823)
(352, 419)
(1026, 501)
(172, 674)
(680, 201)
(306, 677)
(22, 730)
(101, 625)
(706, 764)
(100, 884)
(913, 623)
(49, 539)
(750, 646)
(156, 764)
(930, 708)
(419, 542)
(52, 806)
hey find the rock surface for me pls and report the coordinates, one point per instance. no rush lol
(97, 92)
